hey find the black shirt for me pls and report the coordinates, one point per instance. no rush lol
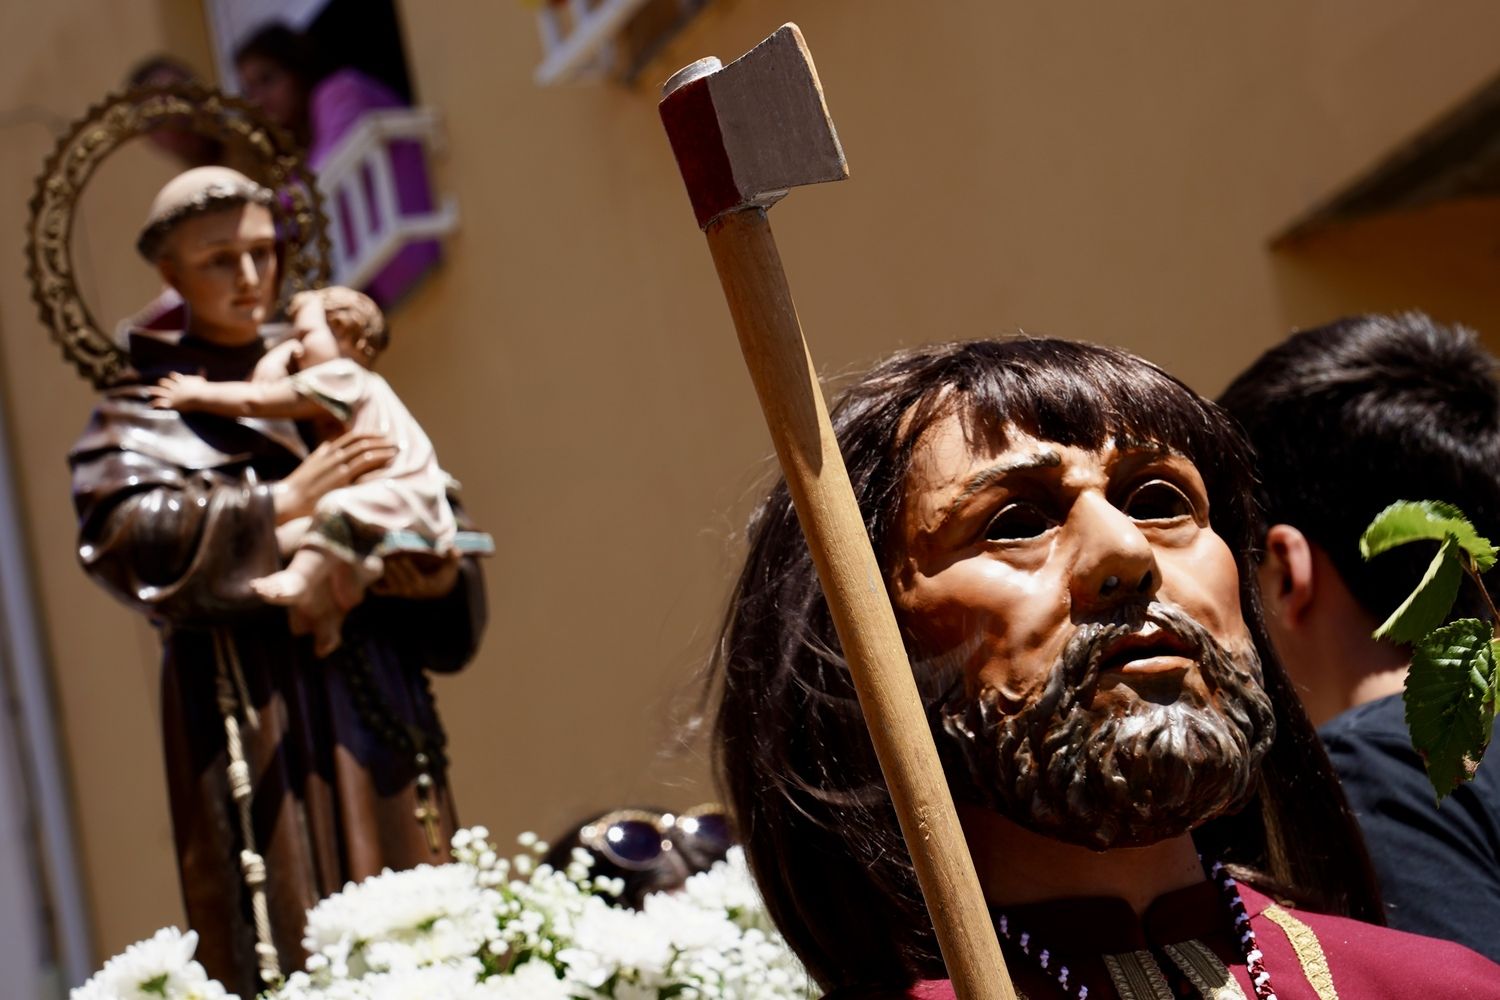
(1439, 867)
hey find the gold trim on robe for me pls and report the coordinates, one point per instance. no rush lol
(1137, 977)
(1309, 952)
(1209, 976)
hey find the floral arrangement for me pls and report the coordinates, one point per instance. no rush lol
(490, 928)
(160, 966)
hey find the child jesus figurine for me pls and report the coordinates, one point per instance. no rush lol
(322, 374)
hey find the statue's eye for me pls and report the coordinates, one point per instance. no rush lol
(1017, 520)
(1157, 500)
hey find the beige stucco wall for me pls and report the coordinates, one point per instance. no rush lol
(1111, 172)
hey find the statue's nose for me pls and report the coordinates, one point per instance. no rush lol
(1114, 561)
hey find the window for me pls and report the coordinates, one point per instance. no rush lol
(334, 73)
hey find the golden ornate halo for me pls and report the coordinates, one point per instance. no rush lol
(278, 164)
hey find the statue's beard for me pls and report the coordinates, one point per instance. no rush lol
(1102, 778)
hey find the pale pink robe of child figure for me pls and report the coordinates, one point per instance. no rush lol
(402, 507)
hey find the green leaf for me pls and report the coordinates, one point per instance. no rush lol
(1449, 706)
(1425, 608)
(1425, 520)
(1494, 697)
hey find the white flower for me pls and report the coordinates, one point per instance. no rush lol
(627, 990)
(433, 932)
(728, 887)
(532, 980)
(161, 966)
(300, 986)
(397, 920)
(446, 981)
(608, 939)
(688, 926)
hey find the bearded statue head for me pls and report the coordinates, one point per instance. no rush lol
(1066, 533)
(1105, 689)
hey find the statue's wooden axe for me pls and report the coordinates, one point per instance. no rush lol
(744, 134)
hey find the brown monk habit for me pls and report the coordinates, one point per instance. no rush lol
(175, 519)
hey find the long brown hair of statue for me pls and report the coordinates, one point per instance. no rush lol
(790, 744)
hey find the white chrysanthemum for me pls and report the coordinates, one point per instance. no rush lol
(532, 980)
(728, 888)
(431, 933)
(687, 926)
(407, 919)
(161, 966)
(300, 986)
(445, 981)
(608, 939)
(627, 990)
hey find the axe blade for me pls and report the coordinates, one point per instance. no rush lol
(745, 133)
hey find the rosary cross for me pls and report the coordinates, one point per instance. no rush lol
(428, 817)
(425, 812)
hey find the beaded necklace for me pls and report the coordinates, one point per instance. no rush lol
(1229, 889)
(1255, 961)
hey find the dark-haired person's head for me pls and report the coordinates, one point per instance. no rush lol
(1066, 534)
(160, 70)
(1346, 419)
(175, 137)
(646, 849)
(277, 70)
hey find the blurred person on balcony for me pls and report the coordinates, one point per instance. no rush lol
(180, 141)
(280, 71)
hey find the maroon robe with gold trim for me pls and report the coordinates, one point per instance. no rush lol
(1183, 946)
(175, 519)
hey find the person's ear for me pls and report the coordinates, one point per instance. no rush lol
(1286, 573)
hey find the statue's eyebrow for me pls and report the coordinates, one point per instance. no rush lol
(1046, 458)
(235, 240)
(1127, 443)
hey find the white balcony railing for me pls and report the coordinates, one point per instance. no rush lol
(577, 36)
(366, 225)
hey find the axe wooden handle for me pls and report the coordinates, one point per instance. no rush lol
(771, 338)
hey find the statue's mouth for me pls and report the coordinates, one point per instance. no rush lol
(1152, 649)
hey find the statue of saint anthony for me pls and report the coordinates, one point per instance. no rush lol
(289, 774)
